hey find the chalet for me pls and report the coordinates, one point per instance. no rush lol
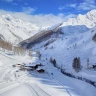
(40, 69)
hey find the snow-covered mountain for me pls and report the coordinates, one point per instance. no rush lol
(64, 43)
(14, 30)
(80, 24)
(89, 20)
(65, 48)
(61, 43)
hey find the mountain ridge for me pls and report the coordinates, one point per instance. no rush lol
(89, 20)
(15, 30)
(68, 28)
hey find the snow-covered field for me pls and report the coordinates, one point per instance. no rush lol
(14, 82)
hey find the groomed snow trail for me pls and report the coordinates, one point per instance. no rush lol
(23, 83)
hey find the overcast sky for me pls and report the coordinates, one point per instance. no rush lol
(45, 12)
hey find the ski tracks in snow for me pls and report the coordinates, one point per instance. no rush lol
(36, 90)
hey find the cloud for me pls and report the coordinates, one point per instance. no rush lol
(61, 7)
(25, 3)
(28, 10)
(87, 5)
(67, 6)
(40, 19)
(72, 5)
(8, 0)
(14, 4)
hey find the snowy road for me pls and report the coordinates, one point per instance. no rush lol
(33, 87)
(36, 90)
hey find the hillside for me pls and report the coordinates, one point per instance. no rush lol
(65, 49)
(80, 24)
(68, 42)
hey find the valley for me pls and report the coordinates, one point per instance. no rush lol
(57, 61)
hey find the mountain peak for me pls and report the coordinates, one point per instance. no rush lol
(8, 17)
(16, 30)
(92, 11)
(88, 20)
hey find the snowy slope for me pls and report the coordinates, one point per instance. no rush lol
(68, 41)
(80, 24)
(65, 48)
(14, 82)
(15, 30)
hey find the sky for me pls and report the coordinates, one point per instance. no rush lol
(48, 11)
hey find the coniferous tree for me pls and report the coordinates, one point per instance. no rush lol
(76, 64)
(88, 63)
(94, 37)
(54, 63)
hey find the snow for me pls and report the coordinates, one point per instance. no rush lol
(89, 20)
(15, 30)
(21, 90)
(64, 52)
(75, 42)
(22, 83)
(1, 63)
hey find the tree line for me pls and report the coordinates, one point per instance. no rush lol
(17, 50)
(76, 66)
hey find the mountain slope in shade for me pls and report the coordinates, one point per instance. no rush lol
(15, 30)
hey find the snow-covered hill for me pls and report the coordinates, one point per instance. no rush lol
(14, 30)
(67, 42)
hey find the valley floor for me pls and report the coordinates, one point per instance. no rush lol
(14, 82)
